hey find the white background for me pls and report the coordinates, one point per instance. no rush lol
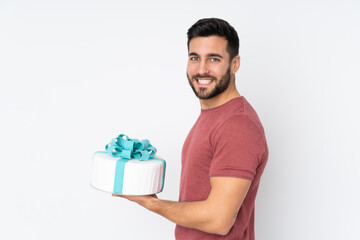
(75, 74)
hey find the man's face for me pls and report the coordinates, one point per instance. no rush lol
(208, 69)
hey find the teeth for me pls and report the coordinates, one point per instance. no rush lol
(201, 81)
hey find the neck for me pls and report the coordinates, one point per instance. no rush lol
(230, 93)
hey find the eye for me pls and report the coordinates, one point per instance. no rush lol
(194, 58)
(214, 59)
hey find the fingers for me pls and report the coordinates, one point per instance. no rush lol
(117, 195)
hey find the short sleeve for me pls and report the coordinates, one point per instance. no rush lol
(238, 147)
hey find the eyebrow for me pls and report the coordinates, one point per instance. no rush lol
(209, 55)
(215, 55)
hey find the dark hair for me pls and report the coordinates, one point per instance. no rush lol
(216, 27)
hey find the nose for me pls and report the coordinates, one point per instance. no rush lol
(203, 68)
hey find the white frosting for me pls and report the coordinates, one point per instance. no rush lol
(140, 177)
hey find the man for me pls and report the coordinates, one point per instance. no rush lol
(225, 152)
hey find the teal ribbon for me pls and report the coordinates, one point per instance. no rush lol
(127, 148)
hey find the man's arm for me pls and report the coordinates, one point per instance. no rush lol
(214, 215)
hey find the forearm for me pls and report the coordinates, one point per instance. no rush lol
(199, 215)
(215, 215)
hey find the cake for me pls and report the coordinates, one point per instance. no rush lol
(128, 167)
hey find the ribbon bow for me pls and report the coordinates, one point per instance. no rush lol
(127, 148)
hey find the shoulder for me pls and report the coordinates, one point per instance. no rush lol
(239, 127)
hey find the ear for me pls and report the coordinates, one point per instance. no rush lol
(235, 64)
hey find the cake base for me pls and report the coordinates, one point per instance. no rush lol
(127, 177)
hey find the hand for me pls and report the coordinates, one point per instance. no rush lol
(143, 200)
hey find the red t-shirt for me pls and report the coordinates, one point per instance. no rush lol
(229, 141)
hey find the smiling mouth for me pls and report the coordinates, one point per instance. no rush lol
(204, 81)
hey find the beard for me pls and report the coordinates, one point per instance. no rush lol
(220, 86)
